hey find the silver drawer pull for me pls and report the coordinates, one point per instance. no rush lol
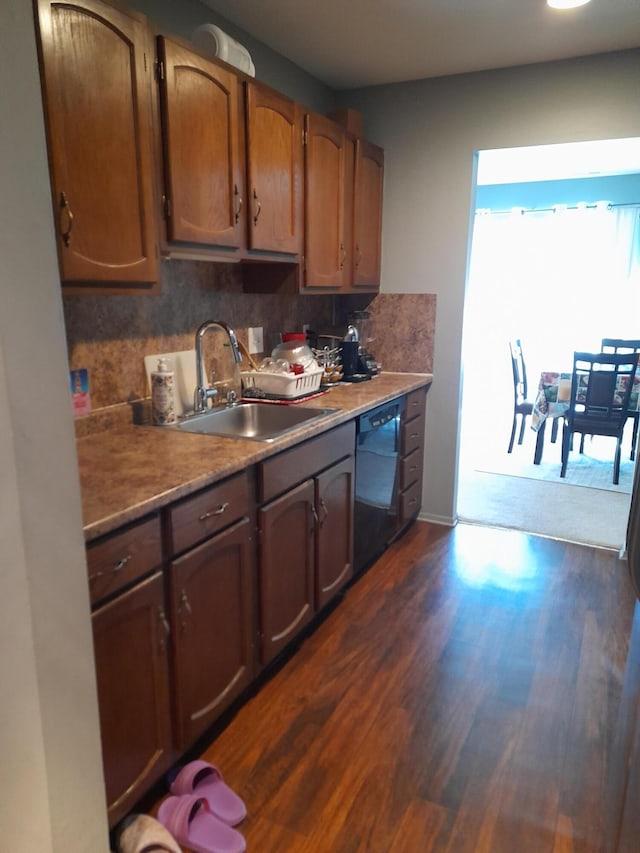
(214, 512)
(117, 568)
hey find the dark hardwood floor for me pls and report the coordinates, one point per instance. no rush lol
(463, 697)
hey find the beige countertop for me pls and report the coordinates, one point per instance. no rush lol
(128, 472)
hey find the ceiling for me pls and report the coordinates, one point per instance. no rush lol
(352, 43)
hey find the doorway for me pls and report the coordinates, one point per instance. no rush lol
(549, 241)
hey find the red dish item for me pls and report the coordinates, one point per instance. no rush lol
(296, 368)
(293, 336)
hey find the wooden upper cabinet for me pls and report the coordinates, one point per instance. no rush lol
(204, 194)
(328, 173)
(96, 73)
(367, 220)
(274, 167)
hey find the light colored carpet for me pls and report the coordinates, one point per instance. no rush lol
(593, 468)
(560, 511)
(508, 490)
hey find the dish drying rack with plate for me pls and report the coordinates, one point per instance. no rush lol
(277, 385)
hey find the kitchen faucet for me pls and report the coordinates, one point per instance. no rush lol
(204, 391)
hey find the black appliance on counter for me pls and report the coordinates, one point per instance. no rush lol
(376, 515)
(367, 366)
(354, 366)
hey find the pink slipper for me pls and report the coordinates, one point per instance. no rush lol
(205, 780)
(192, 823)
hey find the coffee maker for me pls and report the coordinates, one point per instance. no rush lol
(357, 362)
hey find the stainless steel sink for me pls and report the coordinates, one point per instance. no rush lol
(257, 421)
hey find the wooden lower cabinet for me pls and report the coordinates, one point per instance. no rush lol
(334, 536)
(306, 553)
(286, 567)
(131, 638)
(211, 593)
(411, 457)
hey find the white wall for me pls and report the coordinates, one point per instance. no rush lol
(53, 792)
(430, 130)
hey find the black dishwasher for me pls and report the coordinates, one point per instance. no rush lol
(376, 492)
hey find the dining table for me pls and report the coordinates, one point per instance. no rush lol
(553, 400)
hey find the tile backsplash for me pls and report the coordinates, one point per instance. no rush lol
(110, 335)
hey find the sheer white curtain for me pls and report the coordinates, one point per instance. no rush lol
(559, 280)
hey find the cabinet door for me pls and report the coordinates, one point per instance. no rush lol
(327, 250)
(367, 221)
(213, 629)
(274, 160)
(334, 540)
(287, 530)
(97, 85)
(130, 638)
(200, 122)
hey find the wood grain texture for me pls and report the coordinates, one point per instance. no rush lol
(97, 81)
(463, 697)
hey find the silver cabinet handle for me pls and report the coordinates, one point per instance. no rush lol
(238, 202)
(325, 512)
(165, 628)
(114, 571)
(214, 512)
(257, 208)
(185, 607)
(184, 600)
(66, 208)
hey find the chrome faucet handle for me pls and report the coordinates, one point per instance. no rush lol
(201, 396)
(199, 399)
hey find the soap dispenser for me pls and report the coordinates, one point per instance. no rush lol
(163, 410)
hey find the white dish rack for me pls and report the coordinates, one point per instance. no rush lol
(285, 385)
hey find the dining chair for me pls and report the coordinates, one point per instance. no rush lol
(521, 406)
(601, 386)
(625, 345)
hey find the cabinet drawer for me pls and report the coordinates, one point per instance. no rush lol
(410, 502)
(118, 560)
(415, 404)
(291, 467)
(411, 469)
(193, 519)
(412, 435)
